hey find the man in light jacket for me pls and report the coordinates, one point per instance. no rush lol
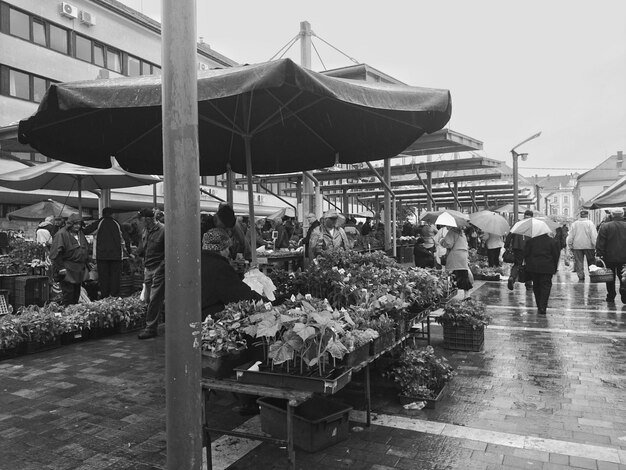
(581, 240)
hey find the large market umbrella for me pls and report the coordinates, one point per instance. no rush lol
(532, 227)
(451, 220)
(613, 196)
(490, 222)
(295, 119)
(432, 216)
(43, 209)
(70, 177)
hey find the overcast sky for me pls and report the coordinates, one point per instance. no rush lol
(513, 68)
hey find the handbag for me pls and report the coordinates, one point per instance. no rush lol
(521, 273)
(508, 256)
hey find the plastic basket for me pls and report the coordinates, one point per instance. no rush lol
(461, 338)
(318, 423)
(31, 290)
(602, 274)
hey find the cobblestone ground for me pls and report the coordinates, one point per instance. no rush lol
(547, 392)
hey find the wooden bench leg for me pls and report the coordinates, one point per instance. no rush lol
(368, 397)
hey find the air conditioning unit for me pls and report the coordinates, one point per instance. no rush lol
(68, 10)
(87, 18)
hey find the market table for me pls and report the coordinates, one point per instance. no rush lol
(293, 397)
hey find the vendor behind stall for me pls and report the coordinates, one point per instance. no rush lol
(220, 282)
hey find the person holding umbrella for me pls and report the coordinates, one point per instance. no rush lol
(517, 242)
(494, 226)
(455, 241)
(541, 255)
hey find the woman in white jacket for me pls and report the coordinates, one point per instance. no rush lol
(457, 259)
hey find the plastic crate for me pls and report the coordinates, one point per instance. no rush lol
(7, 281)
(317, 423)
(463, 338)
(31, 290)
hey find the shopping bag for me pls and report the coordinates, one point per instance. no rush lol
(508, 256)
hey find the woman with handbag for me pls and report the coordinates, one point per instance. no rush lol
(541, 256)
(457, 259)
(515, 242)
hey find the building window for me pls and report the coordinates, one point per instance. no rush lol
(566, 200)
(19, 84)
(114, 62)
(83, 49)
(98, 55)
(19, 24)
(134, 66)
(58, 39)
(39, 33)
(566, 211)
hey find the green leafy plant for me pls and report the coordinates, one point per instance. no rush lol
(420, 373)
(220, 337)
(10, 334)
(467, 312)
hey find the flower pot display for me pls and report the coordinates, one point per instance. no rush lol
(464, 324)
(421, 375)
(32, 347)
(357, 356)
(75, 336)
(383, 342)
(463, 338)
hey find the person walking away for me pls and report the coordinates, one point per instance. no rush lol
(152, 250)
(611, 248)
(423, 257)
(69, 254)
(44, 232)
(541, 255)
(108, 250)
(457, 258)
(516, 242)
(328, 236)
(581, 240)
(494, 244)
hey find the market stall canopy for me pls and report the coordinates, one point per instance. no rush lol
(294, 119)
(69, 177)
(613, 196)
(43, 209)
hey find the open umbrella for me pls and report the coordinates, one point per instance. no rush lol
(43, 209)
(452, 219)
(286, 117)
(70, 177)
(431, 217)
(490, 222)
(532, 227)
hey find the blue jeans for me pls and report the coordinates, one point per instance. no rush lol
(154, 279)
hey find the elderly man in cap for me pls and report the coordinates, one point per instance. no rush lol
(611, 248)
(152, 249)
(44, 232)
(581, 241)
(328, 236)
(69, 254)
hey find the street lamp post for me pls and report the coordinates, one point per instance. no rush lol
(514, 154)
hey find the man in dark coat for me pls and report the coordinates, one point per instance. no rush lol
(541, 255)
(109, 248)
(611, 248)
(69, 254)
(313, 223)
(220, 282)
(152, 250)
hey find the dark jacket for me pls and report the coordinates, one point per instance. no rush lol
(307, 239)
(515, 241)
(221, 284)
(70, 254)
(423, 257)
(541, 254)
(108, 239)
(152, 247)
(611, 241)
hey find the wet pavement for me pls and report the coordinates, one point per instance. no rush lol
(547, 392)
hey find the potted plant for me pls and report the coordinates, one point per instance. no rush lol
(464, 323)
(421, 375)
(357, 343)
(41, 329)
(222, 344)
(10, 336)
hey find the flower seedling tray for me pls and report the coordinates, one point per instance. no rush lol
(75, 336)
(431, 403)
(33, 347)
(328, 384)
(461, 338)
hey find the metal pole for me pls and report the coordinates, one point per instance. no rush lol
(246, 140)
(79, 184)
(515, 183)
(310, 190)
(182, 248)
(388, 208)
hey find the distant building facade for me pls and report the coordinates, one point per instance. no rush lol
(596, 180)
(558, 194)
